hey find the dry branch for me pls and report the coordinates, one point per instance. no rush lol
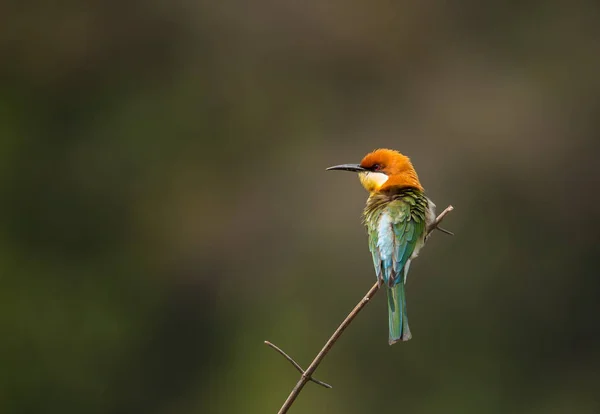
(296, 365)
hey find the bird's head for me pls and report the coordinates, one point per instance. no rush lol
(382, 170)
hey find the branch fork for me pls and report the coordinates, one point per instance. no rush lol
(297, 366)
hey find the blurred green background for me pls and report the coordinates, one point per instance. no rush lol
(165, 207)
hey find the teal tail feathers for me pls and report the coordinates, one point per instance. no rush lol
(399, 330)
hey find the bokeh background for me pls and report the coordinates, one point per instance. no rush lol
(165, 207)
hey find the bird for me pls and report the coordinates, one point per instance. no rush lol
(396, 216)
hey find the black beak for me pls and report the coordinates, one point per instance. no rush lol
(347, 167)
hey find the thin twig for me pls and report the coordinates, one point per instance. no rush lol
(443, 230)
(296, 365)
(438, 220)
(306, 375)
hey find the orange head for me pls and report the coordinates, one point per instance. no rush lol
(384, 169)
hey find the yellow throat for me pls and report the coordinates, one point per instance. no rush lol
(372, 181)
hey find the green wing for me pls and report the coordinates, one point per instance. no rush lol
(408, 228)
(395, 228)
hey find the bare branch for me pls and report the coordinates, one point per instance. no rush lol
(443, 230)
(338, 332)
(306, 375)
(296, 365)
(439, 219)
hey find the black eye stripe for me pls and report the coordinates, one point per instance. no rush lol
(374, 168)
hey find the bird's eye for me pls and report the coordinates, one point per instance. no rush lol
(376, 167)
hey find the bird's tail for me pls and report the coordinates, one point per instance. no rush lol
(399, 330)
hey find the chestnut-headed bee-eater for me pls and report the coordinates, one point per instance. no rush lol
(396, 216)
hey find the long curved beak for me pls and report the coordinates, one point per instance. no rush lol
(346, 167)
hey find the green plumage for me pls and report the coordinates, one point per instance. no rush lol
(396, 224)
(398, 322)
